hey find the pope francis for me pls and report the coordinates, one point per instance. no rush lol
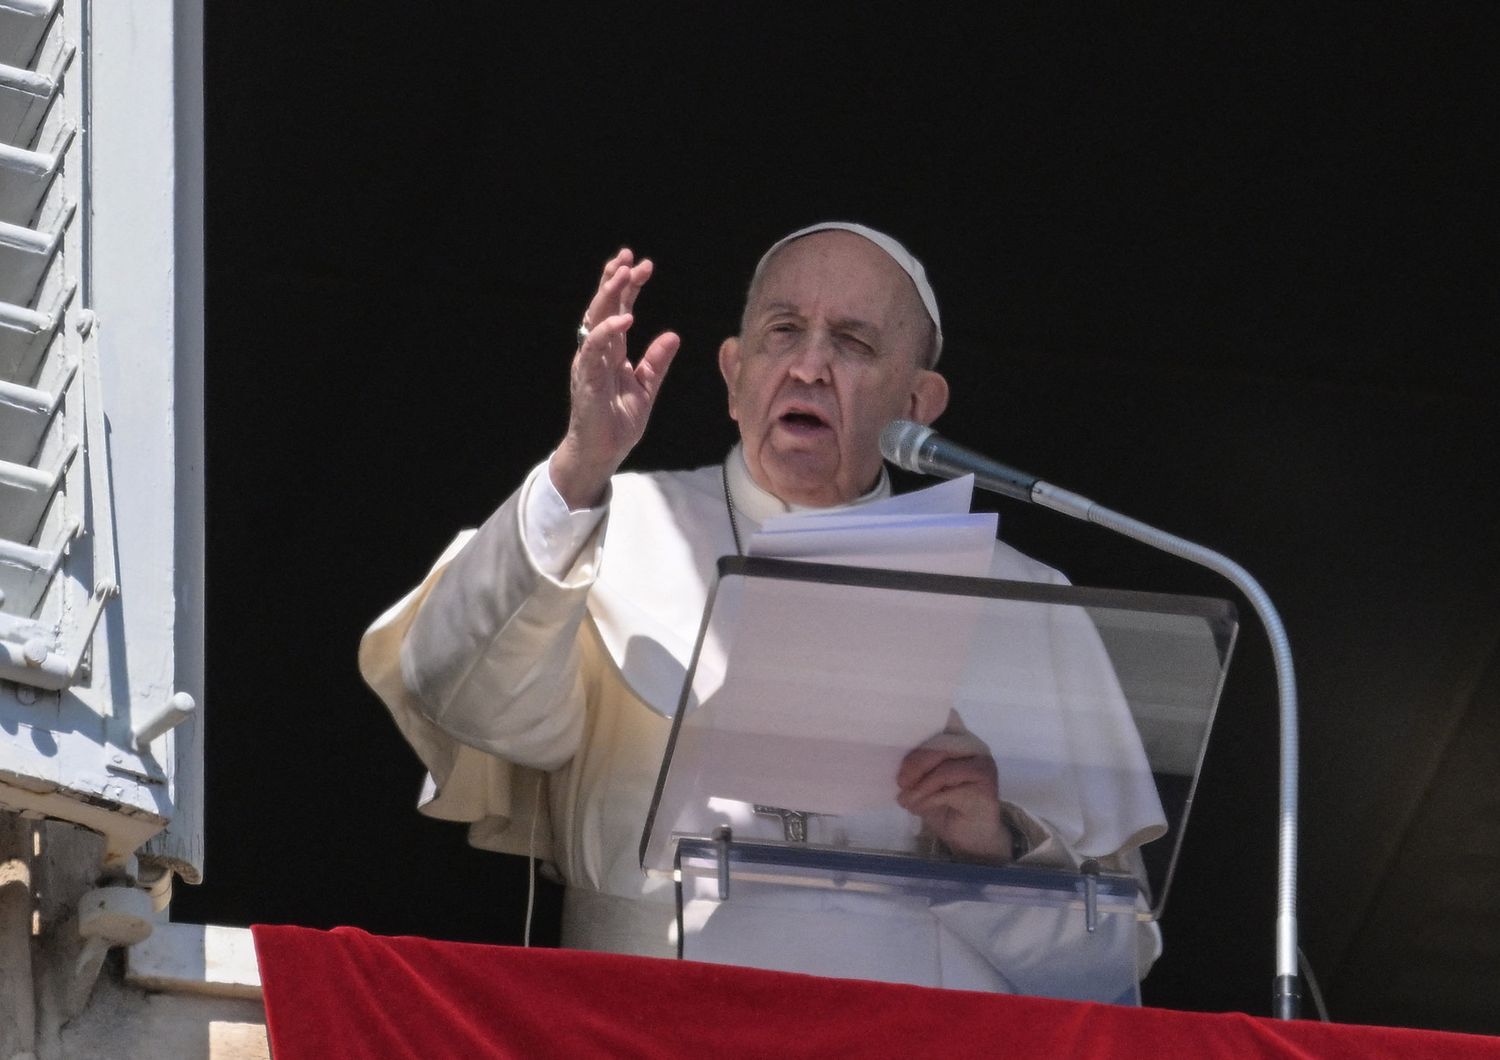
(536, 669)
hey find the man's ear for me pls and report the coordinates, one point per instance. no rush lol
(929, 396)
(729, 368)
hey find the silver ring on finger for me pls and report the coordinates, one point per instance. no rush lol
(582, 333)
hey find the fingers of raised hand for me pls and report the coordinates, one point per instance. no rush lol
(623, 256)
(605, 345)
(618, 287)
(608, 299)
(638, 275)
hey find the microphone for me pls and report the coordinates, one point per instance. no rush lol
(921, 449)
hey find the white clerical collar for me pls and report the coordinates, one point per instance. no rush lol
(757, 505)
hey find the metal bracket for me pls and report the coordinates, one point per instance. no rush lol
(37, 664)
(1090, 870)
(104, 592)
(723, 835)
(135, 770)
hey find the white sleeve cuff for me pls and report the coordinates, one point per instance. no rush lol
(553, 534)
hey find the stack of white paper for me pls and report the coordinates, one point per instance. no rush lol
(930, 531)
(827, 689)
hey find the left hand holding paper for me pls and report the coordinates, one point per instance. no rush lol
(952, 784)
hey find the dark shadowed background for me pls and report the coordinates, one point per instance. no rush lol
(1228, 276)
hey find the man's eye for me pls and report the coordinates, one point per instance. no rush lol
(783, 327)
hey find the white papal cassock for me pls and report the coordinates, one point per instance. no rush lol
(535, 671)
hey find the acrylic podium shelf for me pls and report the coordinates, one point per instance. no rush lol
(810, 683)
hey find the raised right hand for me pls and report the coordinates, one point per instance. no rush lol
(611, 398)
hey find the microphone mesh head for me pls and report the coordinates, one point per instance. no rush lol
(900, 440)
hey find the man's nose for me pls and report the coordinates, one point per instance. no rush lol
(812, 360)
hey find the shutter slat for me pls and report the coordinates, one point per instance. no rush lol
(22, 25)
(26, 412)
(25, 96)
(26, 175)
(26, 572)
(25, 335)
(25, 254)
(25, 493)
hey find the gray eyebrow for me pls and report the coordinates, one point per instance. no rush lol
(854, 324)
(841, 323)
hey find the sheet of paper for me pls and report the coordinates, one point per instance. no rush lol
(953, 497)
(948, 544)
(827, 688)
(929, 530)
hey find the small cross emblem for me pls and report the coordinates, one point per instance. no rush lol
(793, 822)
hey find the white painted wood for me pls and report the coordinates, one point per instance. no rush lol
(26, 334)
(25, 96)
(26, 572)
(120, 815)
(27, 411)
(39, 352)
(22, 24)
(118, 220)
(25, 254)
(26, 175)
(156, 723)
(25, 493)
(147, 162)
(101, 265)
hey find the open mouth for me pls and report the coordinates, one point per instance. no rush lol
(803, 422)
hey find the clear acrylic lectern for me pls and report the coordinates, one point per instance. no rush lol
(810, 683)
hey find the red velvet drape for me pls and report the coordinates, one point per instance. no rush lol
(349, 994)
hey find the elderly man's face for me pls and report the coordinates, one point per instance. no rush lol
(829, 353)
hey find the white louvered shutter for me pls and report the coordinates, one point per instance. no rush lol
(100, 422)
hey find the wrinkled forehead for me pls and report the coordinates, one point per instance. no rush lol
(839, 275)
(890, 251)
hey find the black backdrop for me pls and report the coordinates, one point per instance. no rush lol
(1224, 275)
